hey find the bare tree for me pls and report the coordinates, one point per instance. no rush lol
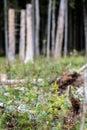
(11, 50)
(29, 37)
(37, 27)
(48, 31)
(53, 26)
(6, 27)
(70, 31)
(66, 28)
(33, 24)
(22, 36)
(60, 30)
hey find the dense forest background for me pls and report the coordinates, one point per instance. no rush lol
(76, 28)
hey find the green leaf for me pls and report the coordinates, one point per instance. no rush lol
(7, 94)
(2, 99)
(1, 90)
(16, 95)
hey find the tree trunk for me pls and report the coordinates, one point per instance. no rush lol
(33, 23)
(48, 30)
(29, 37)
(37, 27)
(11, 52)
(6, 27)
(53, 26)
(70, 30)
(66, 29)
(22, 36)
(85, 27)
(60, 30)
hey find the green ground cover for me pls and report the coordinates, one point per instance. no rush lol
(32, 105)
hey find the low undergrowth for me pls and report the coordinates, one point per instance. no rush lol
(34, 105)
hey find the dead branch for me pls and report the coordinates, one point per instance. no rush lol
(83, 68)
(12, 82)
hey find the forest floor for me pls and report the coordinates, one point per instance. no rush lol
(51, 98)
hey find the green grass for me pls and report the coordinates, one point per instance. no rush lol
(33, 106)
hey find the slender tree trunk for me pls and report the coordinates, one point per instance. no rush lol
(85, 27)
(70, 30)
(49, 26)
(53, 26)
(11, 51)
(37, 27)
(60, 30)
(6, 27)
(33, 24)
(29, 40)
(66, 29)
(22, 36)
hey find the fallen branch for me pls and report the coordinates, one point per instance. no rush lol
(83, 68)
(12, 81)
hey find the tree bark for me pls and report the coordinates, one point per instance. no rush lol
(6, 27)
(29, 37)
(48, 30)
(53, 26)
(70, 30)
(37, 28)
(11, 50)
(60, 30)
(22, 36)
(33, 24)
(66, 29)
